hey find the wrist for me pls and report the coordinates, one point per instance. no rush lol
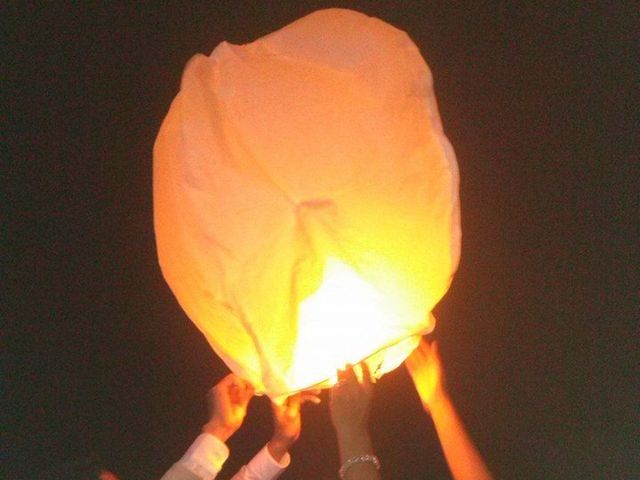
(437, 402)
(353, 442)
(367, 460)
(278, 447)
(218, 429)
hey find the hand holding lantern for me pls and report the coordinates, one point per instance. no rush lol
(287, 422)
(425, 367)
(227, 402)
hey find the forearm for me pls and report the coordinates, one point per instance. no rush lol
(462, 457)
(203, 459)
(263, 466)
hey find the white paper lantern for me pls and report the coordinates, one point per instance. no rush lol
(306, 200)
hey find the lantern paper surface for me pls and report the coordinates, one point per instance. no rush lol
(306, 200)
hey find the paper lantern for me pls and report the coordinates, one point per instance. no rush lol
(306, 200)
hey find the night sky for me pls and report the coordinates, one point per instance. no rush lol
(538, 333)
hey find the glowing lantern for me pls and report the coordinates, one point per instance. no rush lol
(306, 200)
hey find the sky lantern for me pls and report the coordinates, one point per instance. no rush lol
(306, 200)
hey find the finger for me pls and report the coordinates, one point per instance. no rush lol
(312, 395)
(410, 360)
(238, 390)
(228, 380)
(293, 404)
(366, 374)
(234, 392)
(424, 347)
(342, 380)
(220, 388)
(247, 388)
(350, 375)
(338, 393)
(435, 349)
(420, 353)
(339, 384)
(413, 361)
(247, 393)
(309, 397)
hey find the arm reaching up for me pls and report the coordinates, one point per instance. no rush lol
(349, 407)
(227, 402)
(425, 368)
(270, 462)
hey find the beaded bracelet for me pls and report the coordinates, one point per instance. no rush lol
(367, 458)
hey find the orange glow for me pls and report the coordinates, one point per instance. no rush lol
(344, 322)
(306, 200)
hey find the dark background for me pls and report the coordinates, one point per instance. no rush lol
(539, 331)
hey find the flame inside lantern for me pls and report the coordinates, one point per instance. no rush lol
(342, 323)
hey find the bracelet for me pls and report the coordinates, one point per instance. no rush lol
(367, 458)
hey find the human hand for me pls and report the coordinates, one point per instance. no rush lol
(425, 367)
(287, 422)
(350, 401)
(227, 403)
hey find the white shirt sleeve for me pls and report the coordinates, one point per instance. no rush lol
(263, 467)
(205, 457)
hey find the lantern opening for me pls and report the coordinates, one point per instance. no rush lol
(344, 322)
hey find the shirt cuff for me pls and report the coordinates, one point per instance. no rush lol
(206, 456)
(264, 466)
